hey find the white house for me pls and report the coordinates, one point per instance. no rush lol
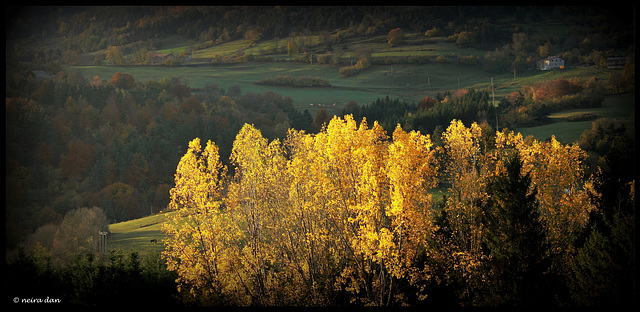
(551, 63)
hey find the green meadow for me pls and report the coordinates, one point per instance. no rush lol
(619, 107)
(409, 82)
(136, 235)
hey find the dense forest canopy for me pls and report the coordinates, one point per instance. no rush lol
(390, 202)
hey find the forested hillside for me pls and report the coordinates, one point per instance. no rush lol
(514, 36)
(387, 202)
(115, 144)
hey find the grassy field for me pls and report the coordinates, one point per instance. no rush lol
(620, 107)
(136, 235)
(408, 82)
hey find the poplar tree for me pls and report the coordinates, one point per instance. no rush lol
(196, 232)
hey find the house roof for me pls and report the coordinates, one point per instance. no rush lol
(550, 58)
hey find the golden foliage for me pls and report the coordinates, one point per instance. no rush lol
(348, 210)
(557, 173)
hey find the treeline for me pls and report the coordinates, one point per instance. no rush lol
(429, 114)
(89, 279)
(59, 262)
(89, 29)
(525, 108)
(352, 216)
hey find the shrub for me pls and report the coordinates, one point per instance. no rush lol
(325, 59)
(348, 71)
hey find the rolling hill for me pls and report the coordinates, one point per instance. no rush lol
(136, 235)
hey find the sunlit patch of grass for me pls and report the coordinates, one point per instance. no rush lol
(136, 235)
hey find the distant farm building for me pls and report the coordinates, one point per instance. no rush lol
(550, 63)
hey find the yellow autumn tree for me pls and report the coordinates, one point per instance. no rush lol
(347, 214)
(466, 170)
(557, 172)
(363, 189)
(255, 202)
(268, 268)
(349, 211)
(195, 232)
(309, 243)
(349, 157)
(371, 202)
(412, 172)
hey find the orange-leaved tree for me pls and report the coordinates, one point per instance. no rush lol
(395, 37)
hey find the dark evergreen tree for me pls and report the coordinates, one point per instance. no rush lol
(604, 270)
(300, 121)
(515, 241)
